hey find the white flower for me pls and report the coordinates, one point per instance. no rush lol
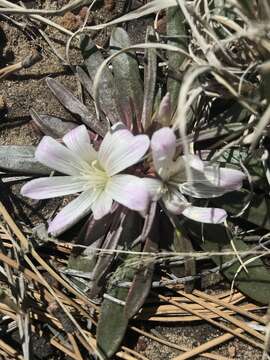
(93, 174)
(208, 181)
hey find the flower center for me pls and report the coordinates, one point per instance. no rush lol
(97, 177)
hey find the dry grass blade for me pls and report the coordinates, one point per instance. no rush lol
(213, 322)
(64, 349)
(206, 346)
(225, 316)
(178, 347)
(17, 8)
(135, 353)
(10, 351)
(24, 245)
(262, 124)
(125, 356)
(75, 347)
(151, 7)
(9, 8)
(229, 305)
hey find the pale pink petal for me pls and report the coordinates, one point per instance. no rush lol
(163, 145)
(201, 190)
(194, 162)
(175, 202)
(229, 179)
(73, 212)
(129, 191)
(164, 111)
(154, 187)
(78, 141)
(177, 171)
(121, 149)
(205, 215)
(58, 157)
(50, 187)
(118, 126)
(102, 205)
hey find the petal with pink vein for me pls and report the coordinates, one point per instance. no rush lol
(50, 187)
(154, 187)
(230, 179)
(73, 212)
(78, 141)
(120, 150)
(129, 191)
(175, 202)
(163, 145)
(102, 205)
(58, 157)
(205, 215)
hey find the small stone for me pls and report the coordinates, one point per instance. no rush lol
(232, 351)
(70, 21)
(3, 103)
(109, 5)
(83, 13)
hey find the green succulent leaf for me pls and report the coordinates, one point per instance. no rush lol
(108, 98)
(113, 320)
(72, 104)
(175, 29)
(257, 211)
(256, 283)
(150, 78)
(127, 75)
(21, 159)
(51, 125)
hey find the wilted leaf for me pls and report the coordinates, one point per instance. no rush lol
(21, 159)
(213, 133)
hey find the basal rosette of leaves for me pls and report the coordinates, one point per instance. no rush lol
(135, 186)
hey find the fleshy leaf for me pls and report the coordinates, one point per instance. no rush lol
(127, 75)
(105, 260)
(175, 28)
(255, 284)
(150, 77)
(142, 281)
(51, 125)
(257, 211)
(85, 80)
(108, 95)
(72, 104)
(84, 258)
(110, 333)
(21, 159)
